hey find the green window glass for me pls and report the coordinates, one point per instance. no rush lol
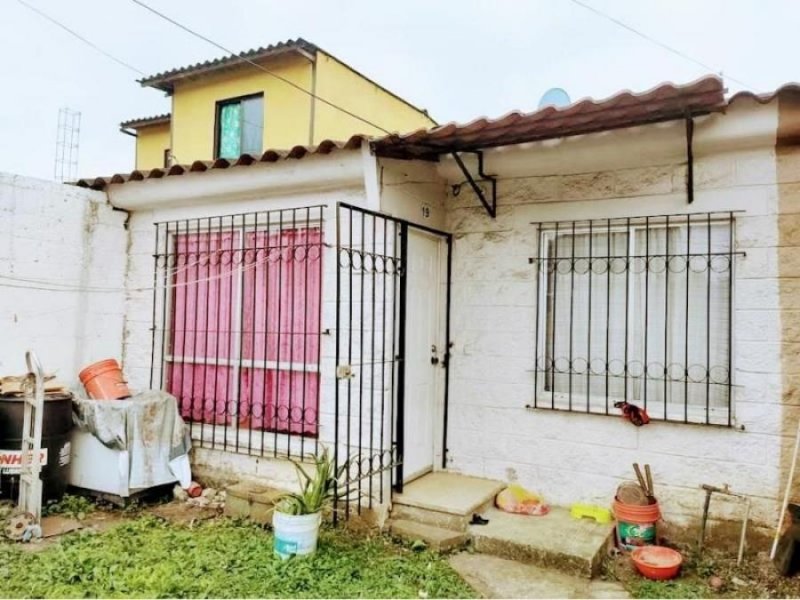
(241, 127)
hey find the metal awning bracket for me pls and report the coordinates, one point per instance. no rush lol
(491, 207)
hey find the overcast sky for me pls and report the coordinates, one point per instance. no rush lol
(459, 59)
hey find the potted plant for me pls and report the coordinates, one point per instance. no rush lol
(298, 515)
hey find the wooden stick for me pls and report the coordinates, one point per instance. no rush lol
(786, 494)
(642, 482)
(651, 491)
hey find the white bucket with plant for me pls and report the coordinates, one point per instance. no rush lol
(298, 515)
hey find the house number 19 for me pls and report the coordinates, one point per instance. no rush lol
(426, 211)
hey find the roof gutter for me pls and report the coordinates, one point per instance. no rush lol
(130, 132)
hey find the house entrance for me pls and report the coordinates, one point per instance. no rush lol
(391, 341)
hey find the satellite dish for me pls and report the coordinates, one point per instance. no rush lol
(555, 97)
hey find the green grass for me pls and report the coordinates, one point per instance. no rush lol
(147, 557)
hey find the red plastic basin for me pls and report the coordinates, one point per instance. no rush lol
(657, 562)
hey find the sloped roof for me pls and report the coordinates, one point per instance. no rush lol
(165, 80)
(625, 109)
(245, 160)
(145, 121)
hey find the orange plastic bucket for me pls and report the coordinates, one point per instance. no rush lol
(103, 380)
(636, 525)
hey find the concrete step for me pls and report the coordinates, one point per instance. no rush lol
(495, 577)
(251, 501)
(435, 538)
(555, 540)
(446, 500)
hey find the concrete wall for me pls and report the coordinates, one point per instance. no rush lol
(571, 457)
(340, 85)
(158, 202)
(287, 110)
(70, 243)
(151, 142)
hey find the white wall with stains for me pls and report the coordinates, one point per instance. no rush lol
(573, 457)
(63, 254)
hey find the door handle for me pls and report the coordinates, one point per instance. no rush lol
(434, 356)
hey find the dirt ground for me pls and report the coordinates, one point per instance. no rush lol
(712, 574)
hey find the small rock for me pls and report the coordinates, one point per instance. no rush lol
(716, 583)
(209, 493)
(202, 501)
(179, 493)
(222, 494)
(737, 581)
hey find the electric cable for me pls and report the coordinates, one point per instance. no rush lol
(80, 37)
(652, 40)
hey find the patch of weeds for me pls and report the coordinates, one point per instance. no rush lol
(669, 589)
(222, 558)
(75, 507)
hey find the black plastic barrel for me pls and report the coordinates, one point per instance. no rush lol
(56, 427)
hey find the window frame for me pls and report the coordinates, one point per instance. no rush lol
(551, 399)
(237, 362)
(218, 113)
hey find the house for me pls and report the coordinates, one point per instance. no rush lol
(227, 107)
(472, 299)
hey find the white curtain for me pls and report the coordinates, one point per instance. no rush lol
(609, 316)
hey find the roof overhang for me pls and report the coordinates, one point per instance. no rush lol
(666, 102)
(166, 80)
(146, 121)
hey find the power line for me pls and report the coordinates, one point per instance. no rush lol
(666, 47)
(80, 37)
(260, 67)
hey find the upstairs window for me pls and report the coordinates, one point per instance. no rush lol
(240, 126)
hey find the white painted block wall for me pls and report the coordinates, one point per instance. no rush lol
(572, 457)
(68, 240)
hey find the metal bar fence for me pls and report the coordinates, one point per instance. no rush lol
(637, 310)
(369, 356)
(236, 336)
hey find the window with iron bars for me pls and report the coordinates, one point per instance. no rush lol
(237, 326)
(636, 310)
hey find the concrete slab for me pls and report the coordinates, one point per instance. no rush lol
(436, 538)
(495, 577)
(555, 540)
(449, 493)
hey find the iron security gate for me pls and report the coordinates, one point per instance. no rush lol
(371, 282)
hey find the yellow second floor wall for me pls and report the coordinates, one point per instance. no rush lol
(290, 116)
(151, 144)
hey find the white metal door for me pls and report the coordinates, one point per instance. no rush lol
(424, 340)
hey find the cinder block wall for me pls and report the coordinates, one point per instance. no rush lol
(62, 276)
(571, 457)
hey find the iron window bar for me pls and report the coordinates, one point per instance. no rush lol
(636, 309)
(245, 381)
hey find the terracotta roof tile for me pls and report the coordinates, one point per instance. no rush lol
(625, 109)
(270, 156)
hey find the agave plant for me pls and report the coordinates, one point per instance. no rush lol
(317, 489)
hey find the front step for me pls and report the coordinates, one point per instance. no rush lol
(435, 538)
(445, 500)
(555, 540)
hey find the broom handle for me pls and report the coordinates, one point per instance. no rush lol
(786, 494)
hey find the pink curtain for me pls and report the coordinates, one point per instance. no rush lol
(201, 340)
(281, 324)
(280, 312)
